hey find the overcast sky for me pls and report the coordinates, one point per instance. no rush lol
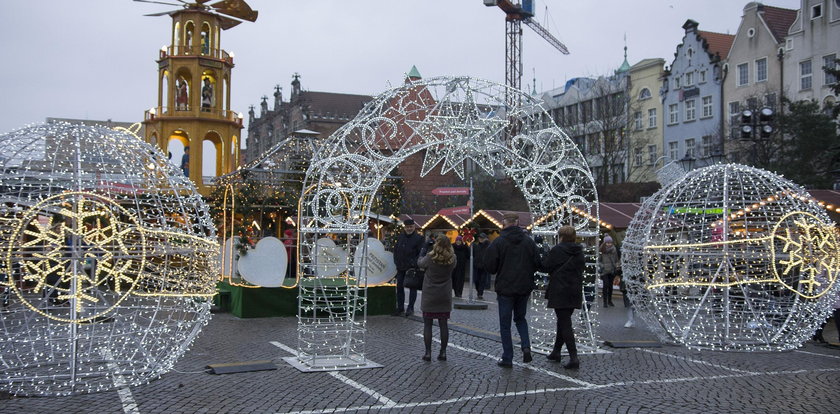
(95, 59)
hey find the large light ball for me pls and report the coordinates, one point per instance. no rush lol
(108, 260)
(731, 257)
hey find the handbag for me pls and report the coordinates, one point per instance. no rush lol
(414, 278)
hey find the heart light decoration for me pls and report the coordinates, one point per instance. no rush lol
(329, 259)
(265, 264)
(380, 263)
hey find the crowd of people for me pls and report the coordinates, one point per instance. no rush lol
(514, 257)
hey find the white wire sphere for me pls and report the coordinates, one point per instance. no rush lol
(731, 257)
(108, 260)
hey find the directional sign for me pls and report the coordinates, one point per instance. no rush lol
(450, 191)
(454, 210)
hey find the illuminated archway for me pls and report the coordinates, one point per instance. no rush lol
(452, 119)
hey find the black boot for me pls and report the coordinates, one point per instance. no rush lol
(554, 356)
(574, 363)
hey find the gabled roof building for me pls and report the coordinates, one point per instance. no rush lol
(692, 95)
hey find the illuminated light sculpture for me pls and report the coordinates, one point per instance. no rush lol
(108, 260)
(452, 119)
(731, 257)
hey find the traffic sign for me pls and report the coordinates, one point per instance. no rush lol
(450, 191)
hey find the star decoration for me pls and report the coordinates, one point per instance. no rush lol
(472, 131)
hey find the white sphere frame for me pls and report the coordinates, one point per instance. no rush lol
(733, 258)
(108, 260)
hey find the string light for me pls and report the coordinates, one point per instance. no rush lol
(109, 260)
(452, 119)
(731, 257)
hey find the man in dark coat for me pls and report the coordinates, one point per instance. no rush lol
(513, 258)
(480, 276)
(565, 264)
(406, 253)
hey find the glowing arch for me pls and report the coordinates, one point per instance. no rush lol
(452, 119)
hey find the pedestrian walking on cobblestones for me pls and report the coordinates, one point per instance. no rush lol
(480, 277)
(565, 263)
(436, 302)
(462, 254)
(609, 267)
(406, 253)
(513, 258)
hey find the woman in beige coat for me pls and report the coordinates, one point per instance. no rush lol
(436, 302)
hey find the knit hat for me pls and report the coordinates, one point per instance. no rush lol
(608, 239)
(408, 222)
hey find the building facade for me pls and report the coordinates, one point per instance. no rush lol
(755, 77)
(813, 41)
(645, 129)
(322, 113)
(692, 93)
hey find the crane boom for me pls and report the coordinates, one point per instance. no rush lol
(545, 34)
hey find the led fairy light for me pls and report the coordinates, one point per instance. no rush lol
(108, 260)
(450, 119)
(731, 257)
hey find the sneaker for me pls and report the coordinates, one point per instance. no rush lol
(504, 364)
(629, 324)
(480, 297)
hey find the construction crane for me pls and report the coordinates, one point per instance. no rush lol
(516, 14)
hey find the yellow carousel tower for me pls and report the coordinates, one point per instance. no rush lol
(194, 76)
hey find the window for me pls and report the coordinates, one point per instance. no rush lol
(689, 79)
(651, 154)
(644, 94)
(816, 11)
(829, 62)
(703, 76)
(770, 100)
(676, 82)
(674, 151)
(639, 155)
(752, 103)
(734, 109)
(652, 118)
(673, 114)
(707, 146)
(734, 118)
(689, 148)
(586, 111)
(743, 74)
(593, 144)
(707, 106)
(690, 110)
(580, 142)
(637, 120)
(761, 70)
(805, 74)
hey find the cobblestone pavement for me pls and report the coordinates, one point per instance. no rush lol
(669, 379)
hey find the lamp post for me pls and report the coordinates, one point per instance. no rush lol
(687, 162)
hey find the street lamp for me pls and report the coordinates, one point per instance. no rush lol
(687, 162)
(756, 128)
(760, 127)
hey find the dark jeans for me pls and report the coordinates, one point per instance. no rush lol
(607, 290)
(458, 276)
(412, 293)
(565, 332)
(515, 306)
(482, 280)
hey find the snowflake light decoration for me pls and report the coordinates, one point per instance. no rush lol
(452, 119)
(731, 257)
(108, 260)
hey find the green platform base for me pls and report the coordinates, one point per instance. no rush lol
(245, 302)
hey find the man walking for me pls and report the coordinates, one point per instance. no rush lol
(513, 258)
(480, 276)
(406, 253)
